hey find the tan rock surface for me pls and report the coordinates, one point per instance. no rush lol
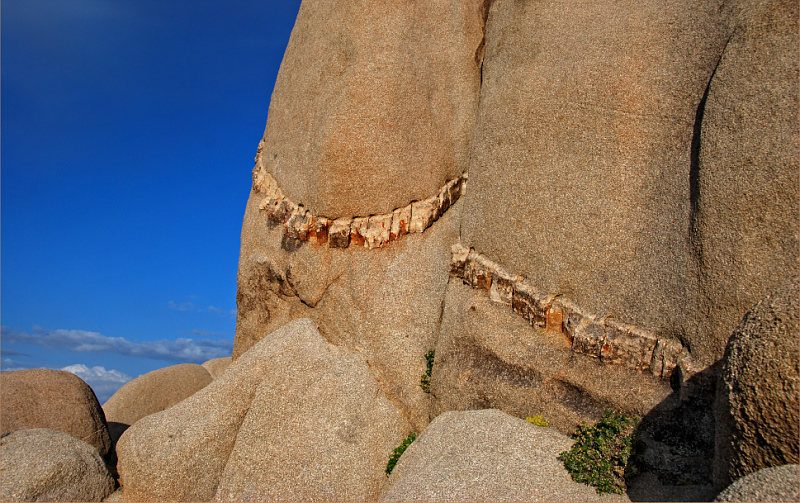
(44, 398)
(748, 169)
(385, 303)
(489, 357)
(579, 172)
(181, 454)
(319, 429)
(42, 464)
(361, 124)
(217, 366)
(486, 455)
(154, 392)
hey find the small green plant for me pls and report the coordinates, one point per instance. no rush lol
(538, 421)
(600, 453)
(399, 452)
(425, 381)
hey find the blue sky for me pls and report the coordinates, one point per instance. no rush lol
(128, 130)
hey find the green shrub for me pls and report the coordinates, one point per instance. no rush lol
(538, 421)
(399, 452)
(425, 382)
(601, 452)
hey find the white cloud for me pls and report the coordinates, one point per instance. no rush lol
(9, 365)
(222, 312)
(183, 306)
(97, 373)
(180, 350)
(104, 382)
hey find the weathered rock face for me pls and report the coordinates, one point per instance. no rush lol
(747, 177)
(780, 483)
(43, 398)
(42, 464)
(486, 455)
(757, 410)
(624, 159)
(154, 392)
(362, 123)
(492, 358)
(579, 174)
(294, 418)
(385, 303)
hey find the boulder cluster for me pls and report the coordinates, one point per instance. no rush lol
(629, 242)
(296, 418)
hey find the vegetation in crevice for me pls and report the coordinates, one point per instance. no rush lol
(601, 452)
(538, 421)
(399, 452)
(425, 381)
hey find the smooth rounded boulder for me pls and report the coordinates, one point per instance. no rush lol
(42, 464)
(217, 366)
(154, 392)
(779, 483)
(757, 409)
(486, 455)
(45, 398)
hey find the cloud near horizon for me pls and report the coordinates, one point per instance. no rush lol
(180, 350)
(222, 312)
(104, 382)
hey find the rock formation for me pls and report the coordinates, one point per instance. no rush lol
(757, 409)
(217, 366)
(42, 464)
(486, 455)
(294, 418)
(572, 204)
(780, 483)
(44, 398)
(154, 392)
(566, 207)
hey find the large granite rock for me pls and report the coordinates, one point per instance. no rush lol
(319, 429)
(489, 357)
(748, 169)
(44, 398)
(385, 303)
(757, 409)
(780, 483)
(486, 455)
(293, 418)
(374, 104)
(42, 464)
(154, 392)
(579, 176)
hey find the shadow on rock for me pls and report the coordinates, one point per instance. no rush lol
(674, 452)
